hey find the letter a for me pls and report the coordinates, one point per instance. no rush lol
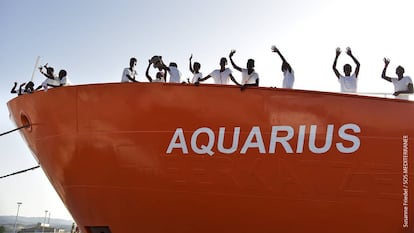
(255, 132)
(179, 134)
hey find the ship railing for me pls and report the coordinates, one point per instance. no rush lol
(388, 95)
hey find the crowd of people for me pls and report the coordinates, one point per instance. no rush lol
(52, 80)
(348, 80)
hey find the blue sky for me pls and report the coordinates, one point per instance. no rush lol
(93, 41)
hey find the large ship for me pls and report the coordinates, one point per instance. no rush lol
(176, 158)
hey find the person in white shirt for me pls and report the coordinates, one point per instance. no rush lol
(348, 82)
(64, 80)
(220, 76)
(160, 76)
(129, 74)
(288, 74)
(195, 70)
(249, 76)
(402, 84)
(28, 88)
(50, 72)
(51, 79)
(175, 74)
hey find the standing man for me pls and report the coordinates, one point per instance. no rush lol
(159, 78)
(288, 74)
(130, 74)
(175, 74)
(195, 70)
(222, 75)
(249, 76)
(402, 84)
(64, 80)
(348, 82)
(52, 80)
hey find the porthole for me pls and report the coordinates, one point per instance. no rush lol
(24, 120)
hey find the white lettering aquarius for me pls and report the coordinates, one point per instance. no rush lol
(281, 140)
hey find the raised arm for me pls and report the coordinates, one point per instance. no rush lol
(285, 63)
(384, 71)
(358, 65)
(338, 51)
(46, 74)
(191, 65)
(147, 72)
(276, 50)
(13, 90)
(232, 52)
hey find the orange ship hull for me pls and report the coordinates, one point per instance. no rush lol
(150, 157)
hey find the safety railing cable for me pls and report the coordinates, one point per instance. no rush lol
(22, 171)
(19, 128)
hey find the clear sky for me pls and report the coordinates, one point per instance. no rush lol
(93, 41)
